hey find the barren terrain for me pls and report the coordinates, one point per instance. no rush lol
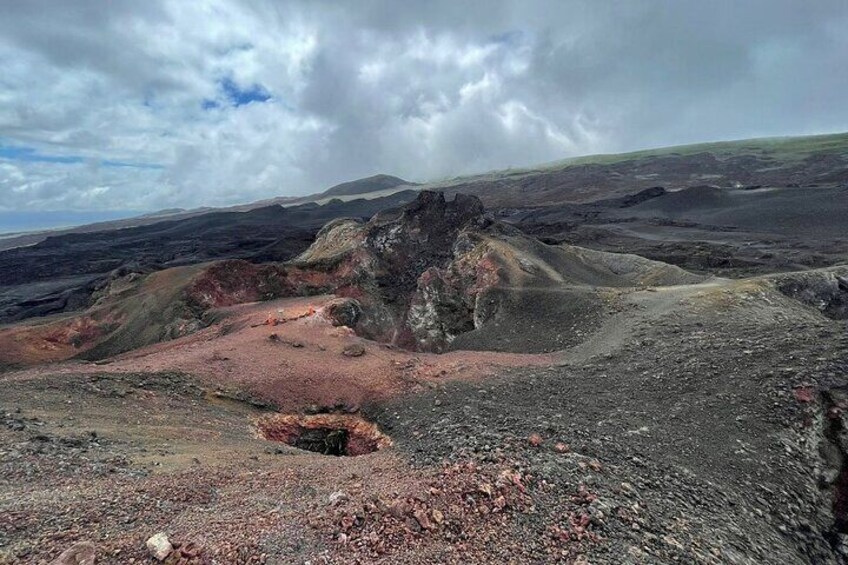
(583, 382)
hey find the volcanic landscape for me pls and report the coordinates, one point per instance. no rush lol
(637, 358)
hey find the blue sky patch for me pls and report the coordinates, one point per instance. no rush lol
(32, 155)
(127, 164)
(235, 96)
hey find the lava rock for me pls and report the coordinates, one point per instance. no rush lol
(343, 312)
(354, 350)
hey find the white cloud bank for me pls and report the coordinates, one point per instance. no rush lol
(121, 104)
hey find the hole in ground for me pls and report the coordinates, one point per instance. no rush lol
(328, 434)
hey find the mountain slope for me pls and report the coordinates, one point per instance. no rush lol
(374, 183)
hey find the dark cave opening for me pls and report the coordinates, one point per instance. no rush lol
(327, 434)
(327, 441)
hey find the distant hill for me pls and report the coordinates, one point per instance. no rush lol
(370, 184)
(809, 161)
(801, 161)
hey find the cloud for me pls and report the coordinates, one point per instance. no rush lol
(164, 103)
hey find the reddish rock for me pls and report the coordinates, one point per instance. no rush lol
(273, 320)
(423, 519)
(235, 282)
(535, 440)
(399, 509)
(409, 278)
(560, 447)
(805, 393)
(188, 554)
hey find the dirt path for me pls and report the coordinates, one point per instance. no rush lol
(639, 308)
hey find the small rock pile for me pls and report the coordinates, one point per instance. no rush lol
(463, 497)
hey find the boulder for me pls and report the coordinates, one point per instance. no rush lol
(354, 350)
(159, 546)
(343, 312)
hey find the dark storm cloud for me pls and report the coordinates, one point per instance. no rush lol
(243, 100)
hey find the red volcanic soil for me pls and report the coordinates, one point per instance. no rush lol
(30, 345)
(202, 451)
(301, 360)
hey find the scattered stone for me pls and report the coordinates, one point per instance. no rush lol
(83, 553)
(438, 516)
(535, 440)
(159, 546)
(188, 554)
(804, 393)
(423, 520)
(337, 497)
(398, 509)
(354, 350)
(560, 447)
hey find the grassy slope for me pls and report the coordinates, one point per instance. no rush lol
(785, 149)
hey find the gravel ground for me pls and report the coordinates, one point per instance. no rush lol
(689, 435)
(688, 429)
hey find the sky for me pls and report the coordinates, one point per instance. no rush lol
(110, 105)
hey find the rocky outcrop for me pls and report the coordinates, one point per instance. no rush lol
(826, 290)
(432, 275)
(235, 282)
(437, 269)
(403, 268)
